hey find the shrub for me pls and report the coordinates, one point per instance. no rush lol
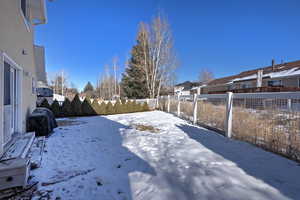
(96, 107)
(123, 101)
(109, 108)
(129, 106)
(45, 104)
(102, 108)
(86, 108)
(118, 107)
(134, 106)
(76, 106)
(145, 107)
(66, 109)
(124, 107)
(55, 107)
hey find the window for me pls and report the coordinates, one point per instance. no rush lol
(275, 83)
(7, 84)
(246, 85)
(23, 7)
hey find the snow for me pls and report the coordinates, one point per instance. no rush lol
(108, 158)
(284, 73)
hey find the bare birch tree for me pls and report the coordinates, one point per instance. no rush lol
(205, 75)
(159, 57)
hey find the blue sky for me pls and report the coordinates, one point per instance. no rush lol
(225, 36)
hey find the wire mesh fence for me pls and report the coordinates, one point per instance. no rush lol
(212, 112)
(151, 102)
(186, 109)
(268, 120)
(271, 122)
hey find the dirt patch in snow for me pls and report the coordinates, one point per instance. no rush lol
(69, 122)
(141, 127)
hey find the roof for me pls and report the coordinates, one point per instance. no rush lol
(187, 85)
(279, 70)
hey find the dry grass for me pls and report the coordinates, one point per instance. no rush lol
(148, 128)
(212, 114)
(270, 128)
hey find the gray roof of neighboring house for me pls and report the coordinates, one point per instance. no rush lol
(278, 70)
(187, 85)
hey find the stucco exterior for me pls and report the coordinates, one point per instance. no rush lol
(16, 40)
(17, 45)
(39, 53)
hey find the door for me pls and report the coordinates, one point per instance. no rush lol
(9, 101)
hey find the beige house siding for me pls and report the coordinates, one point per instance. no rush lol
(16, 40)
(39, 53)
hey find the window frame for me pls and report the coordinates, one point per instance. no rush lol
(272, 85)
(25, 15)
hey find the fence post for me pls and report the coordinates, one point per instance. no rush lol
(168, 104)
(157, 104)
(289, 104)
(178, 106)
(195, 108)
(228, 120)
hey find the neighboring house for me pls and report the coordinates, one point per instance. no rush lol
(187, 88)
(59, 98)
(21, 64)
(285, 76)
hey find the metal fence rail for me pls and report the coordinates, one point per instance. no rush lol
(268, 120)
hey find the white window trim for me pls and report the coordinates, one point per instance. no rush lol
(19, 70)
(26, 22)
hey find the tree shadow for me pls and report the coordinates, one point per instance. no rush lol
(101, 149)
(276, 171)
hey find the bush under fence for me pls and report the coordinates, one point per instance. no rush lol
(267, 120)
(88, 107)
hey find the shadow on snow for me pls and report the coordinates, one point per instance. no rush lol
(277, 172)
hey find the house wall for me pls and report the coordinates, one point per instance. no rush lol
(39, 53)
(16, 40)
(214, 88)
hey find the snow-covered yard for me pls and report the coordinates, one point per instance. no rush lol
(108, 158)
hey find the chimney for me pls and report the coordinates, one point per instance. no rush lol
(273, 64)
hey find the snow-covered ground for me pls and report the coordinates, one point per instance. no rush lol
(108, 158)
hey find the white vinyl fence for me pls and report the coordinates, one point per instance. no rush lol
(268, 120)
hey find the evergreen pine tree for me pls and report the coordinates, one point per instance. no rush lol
(134, 79)
(76, 106)
(96, 107)
(66, 109)
(45, 104)
(55, 107)
(102, 108)
(86, 107)
(109, 108)
(88, 87)
(145, 107)
(118, 107)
